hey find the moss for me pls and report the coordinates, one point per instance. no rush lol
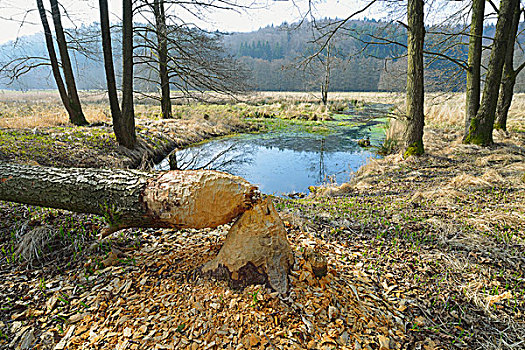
(477, 136)
(414, 149)
(57, 145)
(476, 139)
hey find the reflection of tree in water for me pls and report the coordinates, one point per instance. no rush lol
(223, 156)
(284, 162)
(323, 176)
(230, 155)
(322, 166)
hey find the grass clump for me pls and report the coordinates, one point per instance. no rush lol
(39, 235)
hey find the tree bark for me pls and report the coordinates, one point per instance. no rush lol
(415, 88)
(505, 99)
(482, 125)
(128, 113)
(474, 63)
(509, 75)
(116, 114)
(54, 61)
(327, 70)
(255, 251)
(77, 116)
(162, 52)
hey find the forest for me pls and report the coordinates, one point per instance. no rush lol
(328, 183)
(274, 58)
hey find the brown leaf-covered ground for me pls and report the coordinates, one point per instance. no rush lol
(423, 253)
(446, 231)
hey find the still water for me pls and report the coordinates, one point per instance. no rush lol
(287, 161)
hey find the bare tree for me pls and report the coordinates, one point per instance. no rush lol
(109, 67)
(54, 61)
(128, 112)
(327, 65)
(123, 125)
(414, 123)
(474, 62)
(23, 57)
(482, 125)
(161, 32)
(78, 116)
(509, 76)
(323, 55)
(22, 65)
(176, 53)
(415, 77)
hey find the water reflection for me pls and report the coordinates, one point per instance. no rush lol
(284, 162)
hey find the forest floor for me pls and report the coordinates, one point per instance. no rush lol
(423, 253)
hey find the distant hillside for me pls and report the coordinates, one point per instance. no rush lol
(363, 58)
(276, 56)
(89, 71)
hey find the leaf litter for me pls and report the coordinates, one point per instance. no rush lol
(157, 301)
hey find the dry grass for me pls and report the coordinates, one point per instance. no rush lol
(445, 109)
(448, 110)
(44, 108)
(310, 97)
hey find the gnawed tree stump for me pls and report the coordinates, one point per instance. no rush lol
(255, 251)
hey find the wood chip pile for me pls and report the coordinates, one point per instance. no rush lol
(152, 299)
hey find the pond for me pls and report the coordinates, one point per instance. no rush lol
(294, 156)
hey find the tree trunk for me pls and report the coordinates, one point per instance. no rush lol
(256, 249)
(505, 99)
(128, 198)
(415, 89)
(116, 114)
(509, 75)
(128, 113)
(326, 83)
(162, 52)
(474, 62)
(54, 61)
(481, 126)
(77, 116)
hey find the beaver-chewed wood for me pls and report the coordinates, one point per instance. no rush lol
(256, 245)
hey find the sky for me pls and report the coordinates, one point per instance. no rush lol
(262, 13)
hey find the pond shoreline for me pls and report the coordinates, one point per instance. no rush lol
(288, 156)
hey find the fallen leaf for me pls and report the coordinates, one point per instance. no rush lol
(384, 342)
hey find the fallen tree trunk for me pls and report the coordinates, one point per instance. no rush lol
(256, 249)
(127, 198)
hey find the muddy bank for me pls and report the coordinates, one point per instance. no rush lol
(95, 145)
